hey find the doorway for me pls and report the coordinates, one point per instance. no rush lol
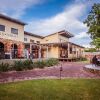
(14, 49)
(2, 53)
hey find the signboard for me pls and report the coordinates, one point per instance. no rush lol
(3, 34)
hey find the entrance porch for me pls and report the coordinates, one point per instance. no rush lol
(65, 51)
(11, 49)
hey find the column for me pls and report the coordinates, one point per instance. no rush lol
(47, 52)
(30, 51)
(20, 50)
(68, 49)
(39, 52)
(30, 48)
(72, 51)
(8, 50)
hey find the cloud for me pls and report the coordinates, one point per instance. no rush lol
(81, 38)
(68, 19)
(89, 2)
(17, 8)
(81, 35)
(87, 45)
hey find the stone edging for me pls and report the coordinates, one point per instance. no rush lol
(92, 69)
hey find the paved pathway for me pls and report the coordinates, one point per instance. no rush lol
(70, 70)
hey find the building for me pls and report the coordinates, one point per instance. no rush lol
(17, 43)
(11, 37)
(55, 45)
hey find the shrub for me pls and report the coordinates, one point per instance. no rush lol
(83, 59)
(4, 67)
(39, 64)
(18, 66)
(45, 63)
(51, 62)
(27, 64)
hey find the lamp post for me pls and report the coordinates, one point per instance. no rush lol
(61, 69)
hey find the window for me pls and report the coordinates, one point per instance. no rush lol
(2, 28)
(14, 31)
(70, 50)
(32, 41)
(25, 39)
(38, 42)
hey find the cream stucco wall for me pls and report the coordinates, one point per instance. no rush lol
(79, 52)
(53, 52)
(62, 38)
(50, 39)
(31, 38)
(7, 34)
(54, 38)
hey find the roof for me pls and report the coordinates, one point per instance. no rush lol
(61, 44)
(12, 19)
(63, 33)
(66, 34)
(76, 45)
(31, 34)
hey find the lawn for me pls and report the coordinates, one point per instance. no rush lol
(67, 89)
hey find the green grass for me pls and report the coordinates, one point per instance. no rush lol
(67, 89)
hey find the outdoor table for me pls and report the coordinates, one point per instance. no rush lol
(98, 60)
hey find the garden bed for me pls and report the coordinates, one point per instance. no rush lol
(21, 65)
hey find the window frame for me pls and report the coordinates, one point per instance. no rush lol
(14, 32)
(38, 42)
(32, 41)
(3, 26)
(70, 50)
(25, 39)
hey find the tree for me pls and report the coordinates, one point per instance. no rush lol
(90, 50)
(96, 42)
(93, 23)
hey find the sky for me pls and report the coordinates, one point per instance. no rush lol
(49, 16)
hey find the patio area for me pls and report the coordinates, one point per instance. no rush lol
(69, 70)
